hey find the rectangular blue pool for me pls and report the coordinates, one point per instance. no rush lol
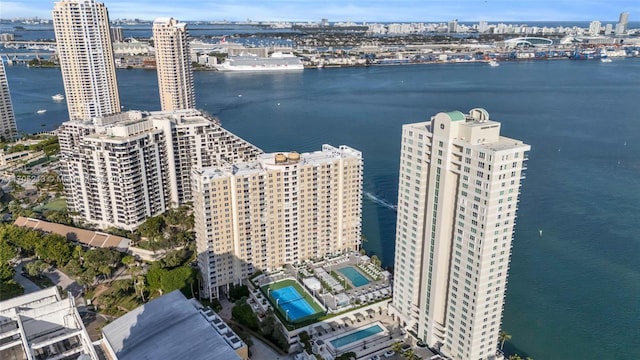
(354, 276)
(356, 336)
(293, 305)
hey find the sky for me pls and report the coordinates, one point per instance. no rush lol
(353, 10)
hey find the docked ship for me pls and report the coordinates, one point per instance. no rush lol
(586, 54)
(278, 61)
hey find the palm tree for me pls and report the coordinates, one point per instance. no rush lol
(397, 347)
(504, 336)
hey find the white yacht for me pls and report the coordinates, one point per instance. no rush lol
(494, 63)
(58, 97)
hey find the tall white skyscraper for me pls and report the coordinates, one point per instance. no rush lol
(623, 23)
(121, 169)
(173, 63)
(86, 58)
(279, 209)
(594, 27)
(8, 128)
(458, 195)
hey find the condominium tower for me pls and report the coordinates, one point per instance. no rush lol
(623, 23)
(594, 27)
(86, 58)
(279, 209)
(8, 128)
(457, 201)
(173, 62)
(121, 169)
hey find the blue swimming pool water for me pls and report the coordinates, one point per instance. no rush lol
(355, 336)
(354, 276)
(288, 299)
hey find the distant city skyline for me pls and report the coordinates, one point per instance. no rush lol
(356, 10)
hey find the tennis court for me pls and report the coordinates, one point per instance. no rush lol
(292, 301)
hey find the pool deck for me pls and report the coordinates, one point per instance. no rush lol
(383, 333)
(350, 322)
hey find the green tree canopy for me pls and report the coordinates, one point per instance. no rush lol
(7, 251)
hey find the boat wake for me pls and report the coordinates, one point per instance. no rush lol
(380, 202)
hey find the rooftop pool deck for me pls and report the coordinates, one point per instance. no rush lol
(356, 278)
(356, 335)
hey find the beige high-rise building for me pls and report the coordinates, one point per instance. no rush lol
(280, 209)
(8, 128)
(85, 53)
(173, 63)
(594, 27)
(458, 194)
(121, 169)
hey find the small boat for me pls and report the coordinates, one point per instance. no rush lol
(540, 233)
(58, 97)
(493, 63)
(41, 111)
(605, 60)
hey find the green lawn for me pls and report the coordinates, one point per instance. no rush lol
(305, 294)
(56, 205)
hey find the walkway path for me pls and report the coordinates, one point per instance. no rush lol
(66, 283)
(28, 285)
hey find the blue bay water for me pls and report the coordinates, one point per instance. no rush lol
(574, 293)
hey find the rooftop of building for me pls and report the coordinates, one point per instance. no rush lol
(327, 155)
(44, 323)
(166, 327)
(82, 236)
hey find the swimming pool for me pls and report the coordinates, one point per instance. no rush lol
(356, 336)
(354, 276)
(293, 305)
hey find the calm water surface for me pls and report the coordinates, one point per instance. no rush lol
(574, 293)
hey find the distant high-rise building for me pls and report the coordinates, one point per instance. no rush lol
(608, 29)
(483, 27)
(8, 128)
(173, 63)
(594, 28)
(122, 169)
(452, 26)
(280, 209)
(85, 53)
(458, 195)
(623, 23)
(116, 34)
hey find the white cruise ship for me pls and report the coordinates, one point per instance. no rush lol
(278, 61)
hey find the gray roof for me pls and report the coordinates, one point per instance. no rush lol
(167, 327)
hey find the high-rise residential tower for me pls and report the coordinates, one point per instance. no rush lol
(173, 63)
(8, 128)
(279, 209)
(623, 23)
(458, 195)
(85, 53)
(121, 169)
(594, 27)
